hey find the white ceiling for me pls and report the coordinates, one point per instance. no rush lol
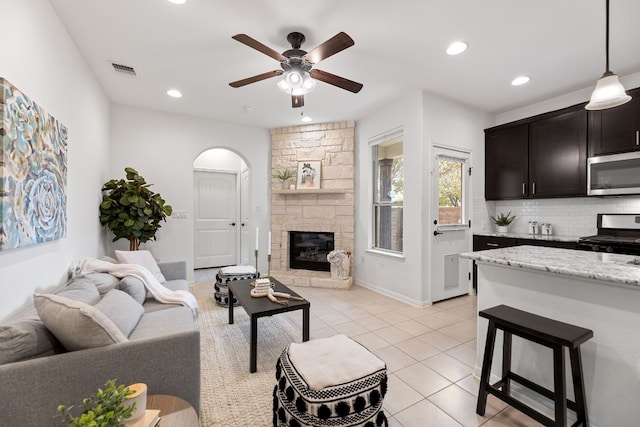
(399, 47)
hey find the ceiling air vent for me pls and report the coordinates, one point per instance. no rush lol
(124, 69)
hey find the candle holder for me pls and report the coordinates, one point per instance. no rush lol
(269, 265)
(257, 273)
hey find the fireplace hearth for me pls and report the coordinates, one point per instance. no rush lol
(308, 250)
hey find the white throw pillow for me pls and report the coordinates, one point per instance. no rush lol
(76, 325)
(143, 258)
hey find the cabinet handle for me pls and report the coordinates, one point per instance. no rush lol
(638, 137)
(495, 245)
(524, 189)
(533, 188)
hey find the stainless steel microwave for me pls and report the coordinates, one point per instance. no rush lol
(614, 174)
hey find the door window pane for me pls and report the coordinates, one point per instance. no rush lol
(450, 191)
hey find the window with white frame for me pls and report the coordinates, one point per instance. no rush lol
(388, 191)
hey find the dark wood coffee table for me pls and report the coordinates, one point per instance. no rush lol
(260, 307)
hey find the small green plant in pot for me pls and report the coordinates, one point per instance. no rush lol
(103, 409)
(284, 175)
(503, 221)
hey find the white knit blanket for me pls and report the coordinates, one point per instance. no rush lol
(332, 361)
(156, 289)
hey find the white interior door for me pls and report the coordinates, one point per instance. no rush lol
(450, 232)
(215, 219)
(244, 215)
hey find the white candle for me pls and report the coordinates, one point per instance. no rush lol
(257, 234)
(269, 247)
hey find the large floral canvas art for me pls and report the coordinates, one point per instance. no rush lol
(33, 172)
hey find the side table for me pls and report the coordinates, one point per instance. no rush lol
(174, 412)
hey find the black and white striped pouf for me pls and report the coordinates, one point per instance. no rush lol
(356, 402)
(229, 274)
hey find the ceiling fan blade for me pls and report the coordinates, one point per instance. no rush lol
(257, 78)
(334, 80)
(297, 101)
(255, 44)
(335, 44)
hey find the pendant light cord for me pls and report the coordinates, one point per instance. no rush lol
(607, 41)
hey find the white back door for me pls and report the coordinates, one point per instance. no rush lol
(450, 233)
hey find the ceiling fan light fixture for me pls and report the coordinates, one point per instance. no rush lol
(609, 92)
(297, 82)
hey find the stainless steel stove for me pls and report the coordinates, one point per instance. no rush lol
(617, 233)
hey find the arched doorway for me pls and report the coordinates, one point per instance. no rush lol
(220, 179)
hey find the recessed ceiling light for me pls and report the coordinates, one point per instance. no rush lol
(520, 80)
(306, 119)
(174, 93)
(456, 48)
(178, 1)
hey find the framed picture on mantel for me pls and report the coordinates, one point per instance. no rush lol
(308, 175)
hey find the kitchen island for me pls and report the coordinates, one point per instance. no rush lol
(598, 291)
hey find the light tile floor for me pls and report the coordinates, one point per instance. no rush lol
(430, 353)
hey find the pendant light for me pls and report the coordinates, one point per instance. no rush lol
(609, 92)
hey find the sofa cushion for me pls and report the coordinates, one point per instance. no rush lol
(143, 258)
(134, 287)
(81, 289)
(26, 338)
(104, 282)
(123, 310)
(75, 324)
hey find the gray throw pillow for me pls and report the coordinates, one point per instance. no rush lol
(123, 310)
(134, 287)
(76, 325)
(104, 282)
(26, 338)
(80, 289)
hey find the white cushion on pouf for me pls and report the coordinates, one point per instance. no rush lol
(237, 270)
(333, 360)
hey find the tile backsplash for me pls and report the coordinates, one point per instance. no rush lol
(569, 217)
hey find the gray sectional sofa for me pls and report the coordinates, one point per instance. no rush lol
(162, 350)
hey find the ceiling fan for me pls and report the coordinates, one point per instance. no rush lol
(297, 65)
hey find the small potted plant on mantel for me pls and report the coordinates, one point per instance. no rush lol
(284, 175)
(502, 221)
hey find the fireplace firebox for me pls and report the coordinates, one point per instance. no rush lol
(308, 250)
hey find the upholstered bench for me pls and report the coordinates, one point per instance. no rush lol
(329, 382)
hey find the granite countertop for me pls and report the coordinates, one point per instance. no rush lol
(552, 238)
(605, 267)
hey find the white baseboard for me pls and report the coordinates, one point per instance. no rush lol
(394, 295)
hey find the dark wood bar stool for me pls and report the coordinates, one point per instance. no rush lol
(550, 333)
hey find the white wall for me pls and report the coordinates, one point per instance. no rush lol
(39, 58)
(394, 276)
(219, 159)
(426, 119)
(451, 124)
(162, 147)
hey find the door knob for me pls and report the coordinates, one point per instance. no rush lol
(234, 224)
(242, 224)
(436, 232)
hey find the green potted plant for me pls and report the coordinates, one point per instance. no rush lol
(131, 210)
(284, 175)
(103, 409)
(502, 221)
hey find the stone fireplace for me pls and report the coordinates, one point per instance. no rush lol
(329, 209)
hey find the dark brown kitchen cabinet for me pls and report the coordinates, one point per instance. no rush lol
(616, 130)
(539, 157)
(558, 155)
(506, 163)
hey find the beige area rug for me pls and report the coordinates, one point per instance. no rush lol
(230, 395)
